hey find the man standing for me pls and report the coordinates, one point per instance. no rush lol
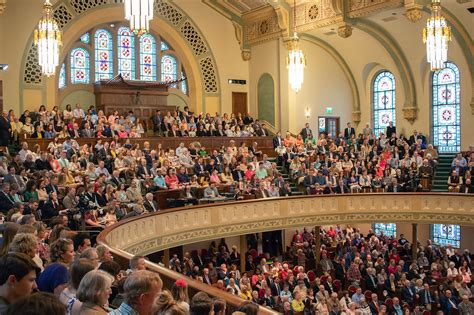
(305, 132)
(391, 129)
(4, 130)
(349, 131)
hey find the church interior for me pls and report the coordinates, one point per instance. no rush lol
(295, 67)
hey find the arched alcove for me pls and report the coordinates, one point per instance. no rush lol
(266, 98)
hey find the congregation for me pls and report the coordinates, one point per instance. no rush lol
(47, 196)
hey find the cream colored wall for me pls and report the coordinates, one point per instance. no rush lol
(220, 35)
(16, 27)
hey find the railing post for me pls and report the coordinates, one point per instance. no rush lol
(243, 250)
(414, 246)
(166, 257)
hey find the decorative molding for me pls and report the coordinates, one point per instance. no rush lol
(153, 232)
(246, 54)
(413, 14)
(344, 30)
(359, 8)
(356, 117)
(410, 114)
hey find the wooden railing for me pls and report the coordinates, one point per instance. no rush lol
(210, 143)
(151, 233)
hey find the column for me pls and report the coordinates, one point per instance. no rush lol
(414, 245)
(317, 243)
(166, 257)
(243, 250)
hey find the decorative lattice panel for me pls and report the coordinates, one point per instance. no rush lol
(81, 6)
(62, 15)
(209, 74)
(193, 38)
(32, 73)
(168, 11)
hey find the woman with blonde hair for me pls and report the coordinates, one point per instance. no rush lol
(94, 292)
(179, 290)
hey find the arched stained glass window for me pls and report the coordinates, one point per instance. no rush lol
(62, 76)
(126, 53)
(169, 71)
(388, 229)
(446, 234)
(147, 58)
(446, 109)
(383, 101)
(103, 55)
(80, 66)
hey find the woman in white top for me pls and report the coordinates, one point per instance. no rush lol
(68, 296)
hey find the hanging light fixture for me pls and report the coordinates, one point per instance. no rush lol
(295, 61)
(139, 13)
(436, 36)
(48, 38)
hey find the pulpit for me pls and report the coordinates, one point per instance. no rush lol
(143, 97)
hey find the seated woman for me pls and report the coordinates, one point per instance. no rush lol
(171, 179)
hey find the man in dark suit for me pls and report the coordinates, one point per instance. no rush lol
(5, 128)
(390, 130)
(198, 168)
(374, 304)
(426, 298)
(448, 302)
(219, 132)
(174, 132)
(349, 131)
(276, 287)
(408, 292)
(341, 187)
(413, 138)
(277, 140)
(50, 208)
(142, 170)
(150, 204)
(53, 185)
(157, 120)
(371, 281)
(87, 132)
(309, 182)
(306, 131)
(6, 200)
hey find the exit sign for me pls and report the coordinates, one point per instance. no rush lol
(328, 110)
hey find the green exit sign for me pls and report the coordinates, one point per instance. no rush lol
(328, 110)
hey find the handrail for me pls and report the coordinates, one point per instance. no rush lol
(150, 233)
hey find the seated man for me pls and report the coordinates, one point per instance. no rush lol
(211, 191)
(321, 183)
(454, 182)
(309, 182)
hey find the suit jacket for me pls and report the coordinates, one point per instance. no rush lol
(276, 290)
(309, 180)
(390, 131)
(88, 133)
(369, 285)
(349, 132)
(446, 305)
(374, 307)
(219, 133)
(305, 133)
(408, 294)
(277, 142)
(116, 181)
(49, 210)
(49, 188)
(198, 170)
(6, 202)
(141, 171)
(175, 133)
(426, 297)
(148, 206)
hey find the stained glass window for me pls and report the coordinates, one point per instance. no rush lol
(168, 69)
(383, 101)
(388, 229)
(126, 53)
(62, 76)
(103, 55)
(164, 46)
(446, 234)
(446, 98)
(85, 38)
(147, 58)
(184, 83)
(79, 66)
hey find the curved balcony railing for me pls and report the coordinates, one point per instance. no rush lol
(151, 233)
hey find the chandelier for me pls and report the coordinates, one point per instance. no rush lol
(48, 40)
(436, 36)
(139, 13)
(295, 61)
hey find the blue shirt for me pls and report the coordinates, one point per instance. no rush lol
(124, 309)
(160, 181)
(53, 276)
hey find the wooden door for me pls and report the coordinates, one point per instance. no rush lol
(328, 125)
(239, 103)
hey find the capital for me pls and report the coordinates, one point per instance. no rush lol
(410, 113)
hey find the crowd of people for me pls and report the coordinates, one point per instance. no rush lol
(367, 162)
(355, 274)
(77, 123)
(46, 196)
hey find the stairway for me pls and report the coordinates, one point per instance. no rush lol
(294, 190)
(440, 180)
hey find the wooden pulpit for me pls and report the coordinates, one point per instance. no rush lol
(142, 97)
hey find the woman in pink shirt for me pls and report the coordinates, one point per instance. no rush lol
(171, 179)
